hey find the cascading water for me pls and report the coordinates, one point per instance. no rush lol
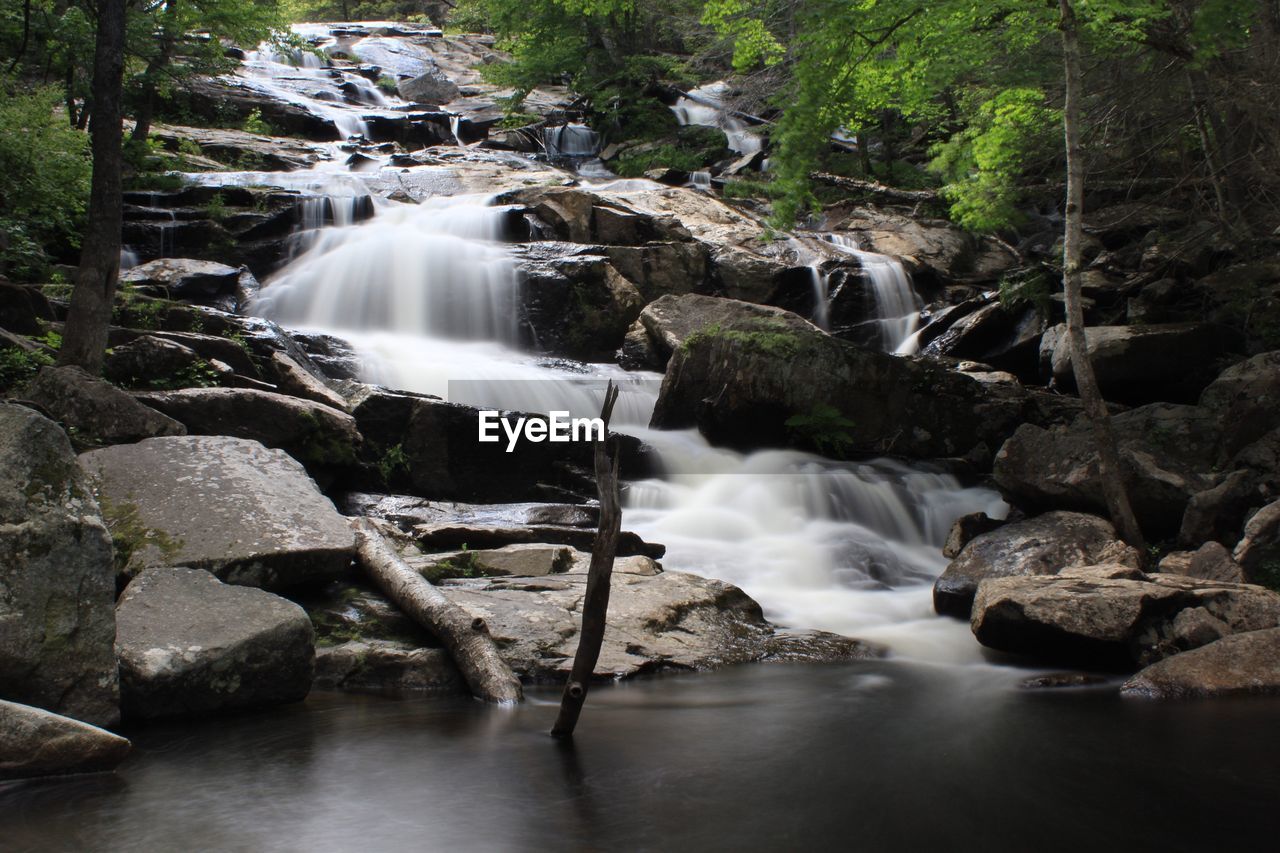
(300, 78)
(571, 141)
(898, 305)
(704, 107)
(430, 297)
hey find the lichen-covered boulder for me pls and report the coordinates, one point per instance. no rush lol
(247, 514)
(57, 587)
(99, 412)
(35, 742)
(190, 644)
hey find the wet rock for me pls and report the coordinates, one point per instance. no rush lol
(1059, 680)
(1258, 553)
(655, 622)
(98, 412)
(227, 505)
(580, 216)
(1144, 364)
(241, 148)
(993, 334)
(335, 358)
(658, 269)
(1168, 449)
(746, 275)
(190, 644)
(1114, 617)
(1211, 562)
(1043, 545)
(429, 87)
(578, 305)
(1246, 664)
(741, 386)
(318, 436)
(294, 380)
(35, 743)
(965, 528)
(404, 511)
(209, 347)
(528, 560)
(669, 321)
(386, 665)
(57, 588)
(217, 99)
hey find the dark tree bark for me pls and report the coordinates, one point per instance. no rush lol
(595, 605)
(1111, 471)
(158, 64)
(84, 340)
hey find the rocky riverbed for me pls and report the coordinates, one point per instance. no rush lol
(316, 317)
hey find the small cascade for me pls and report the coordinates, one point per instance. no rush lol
(700, 180)
(704, 107)
(570, 141)
(821, 298)
(898, 305)
(128, 258)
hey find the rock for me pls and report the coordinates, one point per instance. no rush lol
(1211, 562)
(528, 560)
(239, 147)
(741, 386)
(1171, 362)
(190, 644)
(1218, 513)
(746, 275)
(209, 347)
(430, 87)
(436, 454)
(24, 310)
(1246, 399)
(149, 361)
(1168, 449)
(57, 588)
(1059, 680)
(98, 412)
(405, 511)
(227, 505)
(318, 436)
(657, 622)
(580, 216)
(993, 334)
(294, 380)
(436, 537)
(1258, 553)
(965, 528)
(35, 742)
(1241, 664)
(204, 282)
(1043, 545)
(670, 320)
(577, 305)
(384, 665)
(658, 269)
(1114, 617)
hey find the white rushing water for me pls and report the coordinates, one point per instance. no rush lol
(704, 106)
(898, 305)
(429, 296)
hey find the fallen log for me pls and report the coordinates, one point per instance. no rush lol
(595, 604)
(467, 638)
(873, 188)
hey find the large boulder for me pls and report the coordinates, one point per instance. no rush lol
(657, 620)
(1003, 337)
(57, 588)
(190, 644)
(667, 322)
(1238, 665)
(575, 304)
(35, 742)
(429, 87)
(205, 282)
(150, 361)
(1246, 399)
(1167, 448)
(1043, 545)
(772, 382)
(316, 435)
(1258, 553)
(247, 514)
(1171, 362)
(97, 411)
(1114, 617)
(1211, 561)
(386, 665)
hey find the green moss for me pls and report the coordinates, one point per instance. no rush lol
(464, 565)
(392, 461)
(766, 336)
(129, 535)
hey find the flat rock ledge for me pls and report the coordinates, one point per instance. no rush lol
(36, 743)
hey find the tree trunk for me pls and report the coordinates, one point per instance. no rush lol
(147, 107)
(595, 605)
(466, 638)
(1111, 471)
(84, 341)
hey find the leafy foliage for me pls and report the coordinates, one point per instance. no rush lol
(823, 428)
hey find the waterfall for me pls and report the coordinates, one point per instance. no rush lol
(700, 180)
(898, 305)
(821, 298)
(429, 296)
(704, 106)
(570, 140)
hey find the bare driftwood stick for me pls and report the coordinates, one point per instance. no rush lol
(873, 187)
(595, 605)
(467, 639)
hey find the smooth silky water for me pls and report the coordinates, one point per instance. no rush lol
(935, 747)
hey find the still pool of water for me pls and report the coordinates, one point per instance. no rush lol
(869, 756)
